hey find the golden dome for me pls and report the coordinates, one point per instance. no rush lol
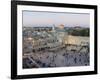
(61, 26)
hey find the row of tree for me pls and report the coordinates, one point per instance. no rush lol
(79, 32)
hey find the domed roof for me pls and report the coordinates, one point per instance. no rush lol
(61, 26)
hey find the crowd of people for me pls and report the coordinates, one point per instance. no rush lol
(58, 58)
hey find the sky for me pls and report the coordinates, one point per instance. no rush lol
(39, 18)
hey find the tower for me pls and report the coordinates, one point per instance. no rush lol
(53, 28)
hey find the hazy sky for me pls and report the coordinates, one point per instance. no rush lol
(33, 18)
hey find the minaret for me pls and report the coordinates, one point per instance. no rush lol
(53, 28)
